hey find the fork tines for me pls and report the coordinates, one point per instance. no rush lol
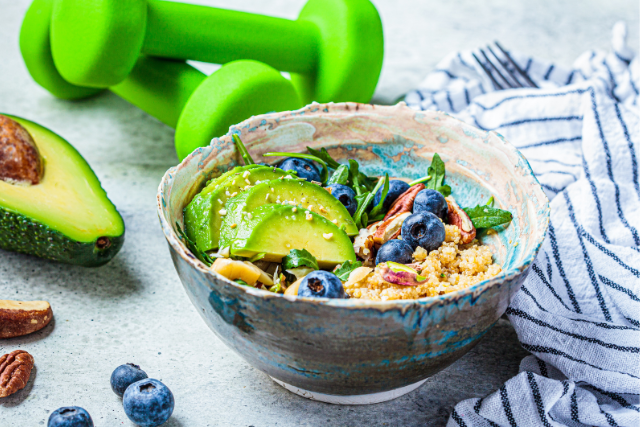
(503, 72)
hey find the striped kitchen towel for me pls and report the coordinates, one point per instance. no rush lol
(578, 312)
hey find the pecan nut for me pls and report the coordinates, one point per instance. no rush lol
(15, 370)
(404, 203)
(19, 318)
(390, 228)
(460, 219)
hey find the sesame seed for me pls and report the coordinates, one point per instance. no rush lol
(247, 181)
(272, 189)
(310, 207)
(335, 221)
(235, 193)
(304, 200)
(322, 209)
(222, 212)
(227, 193)
(249, 215)
(267, 198)
(308, 216)
(234, 225)
(288, 246)
(294, 209)
(292, 202)
(327, 236)
(245, 174)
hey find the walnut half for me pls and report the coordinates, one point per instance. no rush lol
(15, 370)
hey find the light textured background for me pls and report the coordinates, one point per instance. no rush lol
(134, 309)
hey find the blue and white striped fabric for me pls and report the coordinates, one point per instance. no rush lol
(578, 312)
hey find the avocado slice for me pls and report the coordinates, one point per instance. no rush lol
(275, 229)
(63, 216)
(202, 216)
(302, 194)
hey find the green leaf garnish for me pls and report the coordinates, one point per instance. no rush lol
(354, 177)
(324, 173)
(345, 269)
(324, 155)
(445, 190)
(377, 209)
(257, 257)
(490, 201)
(340, 176)
(243, 150)
(299, 258)
(484, 216)
(401, 268)
(202, 256)
(243, 283)
(436, 172)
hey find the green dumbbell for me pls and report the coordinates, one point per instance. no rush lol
(334, 49)
(199, 107)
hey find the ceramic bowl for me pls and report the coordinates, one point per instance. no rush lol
(358, 351)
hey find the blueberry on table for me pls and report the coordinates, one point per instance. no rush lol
(345, 195)
(396, 188)
(303, 167)
(431, 201)
(148, 403)
(395, 250)
(125, 375)
(70, 416)
(423, 229)
(321, 284)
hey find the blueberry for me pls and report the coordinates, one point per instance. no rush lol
(321, 284)
(345, 195)
(70, 416)
(125, 375)
(431, 201)
(303, 167)
(423, 229)
(395, 250)
(396, 188)
(148, 403)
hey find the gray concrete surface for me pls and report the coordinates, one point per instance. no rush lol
(134, 309)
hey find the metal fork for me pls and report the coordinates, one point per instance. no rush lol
(502, 70)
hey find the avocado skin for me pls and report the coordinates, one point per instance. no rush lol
(19, 233)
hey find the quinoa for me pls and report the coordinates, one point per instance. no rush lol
(451, 267)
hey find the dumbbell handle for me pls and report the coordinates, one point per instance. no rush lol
(207, 34)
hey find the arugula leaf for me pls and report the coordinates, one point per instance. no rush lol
(243, 150)
(202, 256)
(490, 201)
(354, 176)
(324, 173)
(483, 216)
(344, 270)
(340, 176)
(445, 190)
(420, 180)
(436, 172)
(324, 155)
(377, 210)
(299, 258)
(363, 202)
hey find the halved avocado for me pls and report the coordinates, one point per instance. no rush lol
(302, 194)
(202, 217)
(64, 214)
(275, 229)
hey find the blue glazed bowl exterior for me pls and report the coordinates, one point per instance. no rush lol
(354, 347)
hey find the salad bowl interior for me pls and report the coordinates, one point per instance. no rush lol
(352, 350)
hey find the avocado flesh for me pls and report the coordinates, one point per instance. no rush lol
(63, 216)
(202, 218)
(302, 194)
(275, 229)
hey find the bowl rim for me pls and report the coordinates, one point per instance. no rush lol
(351, 303)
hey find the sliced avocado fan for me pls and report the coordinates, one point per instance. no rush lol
(63, 214)
(302, 194)
(203, 215)
(275, 229)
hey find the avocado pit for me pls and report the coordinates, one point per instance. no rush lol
(20, 161)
